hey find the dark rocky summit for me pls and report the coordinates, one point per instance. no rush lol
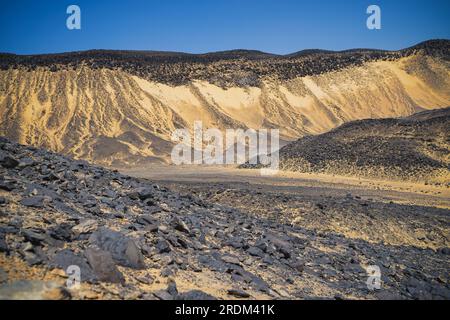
(228, 68)
(133, 239)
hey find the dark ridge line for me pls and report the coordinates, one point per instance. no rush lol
(305, 52)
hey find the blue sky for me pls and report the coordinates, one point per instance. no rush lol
(277, 26)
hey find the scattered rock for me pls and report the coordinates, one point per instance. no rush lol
(103, 266)
(238, 293)
(232, 234)
(34, 236)
(163, 246)
(3, 244)
(123, 250)
(195, 295)
(35, 201)
(163, 295)
(66, 258)
(86, 226)
(9, 162)
(179, 225)
(172, 288)
(232, 260)
(254, 251)
(145, 279)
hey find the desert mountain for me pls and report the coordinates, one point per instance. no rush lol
(120, 107)
(414, 148)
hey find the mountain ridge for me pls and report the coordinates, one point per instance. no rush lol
(431, 44)
(123, 112)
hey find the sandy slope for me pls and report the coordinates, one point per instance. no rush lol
(115, 118)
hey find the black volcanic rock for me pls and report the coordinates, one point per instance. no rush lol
(220, 68)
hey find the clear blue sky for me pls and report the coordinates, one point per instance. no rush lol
(277, 26)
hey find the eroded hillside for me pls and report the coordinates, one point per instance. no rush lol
(414, 148)
(123, 112)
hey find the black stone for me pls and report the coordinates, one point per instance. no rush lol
(123, 250)
(195, 295)
(103, 265)
(9, 163)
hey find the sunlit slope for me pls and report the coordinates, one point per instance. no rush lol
(115, 117)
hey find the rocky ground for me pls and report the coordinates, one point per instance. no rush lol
(134, 239)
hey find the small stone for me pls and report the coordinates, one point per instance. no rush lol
(145, 279)
(28, 247)
(298, 266)
(163, 246)
(254, 251)
(7, 186)
(34, 236)
(163, 295)
(85, 227)
(145, 219)
(172, 288)
(142, 194)
(238, 293)
(163, 229)
(231, 259)
(179, 225)
(66, 258)
(26, 162)
(35, 201)
(61, 232)
(167, 271)
(9, 163)
(123, 250)
(151, 227)
(103, 266)
(195, 295)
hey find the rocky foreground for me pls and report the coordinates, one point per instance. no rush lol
(133, 239)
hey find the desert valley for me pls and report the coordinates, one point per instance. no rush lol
(86, 177)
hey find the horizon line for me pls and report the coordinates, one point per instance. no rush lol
(222, 51)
